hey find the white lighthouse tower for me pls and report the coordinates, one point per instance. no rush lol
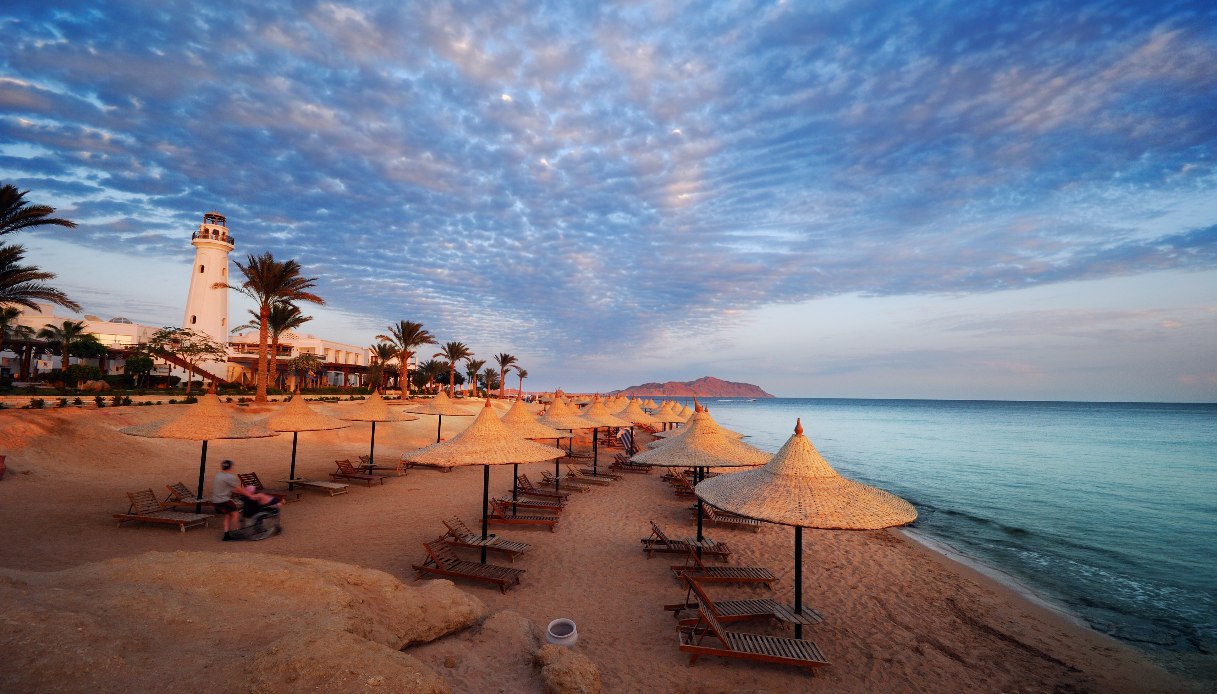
(206, 304)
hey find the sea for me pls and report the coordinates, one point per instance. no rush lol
(1105, 510)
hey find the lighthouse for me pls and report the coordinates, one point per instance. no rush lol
(207, 304)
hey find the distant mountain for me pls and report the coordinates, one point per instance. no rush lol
(704, 387)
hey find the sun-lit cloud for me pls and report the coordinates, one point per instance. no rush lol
(587, 180)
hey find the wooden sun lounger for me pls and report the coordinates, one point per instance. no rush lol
(659, 542)
(734, 644)
(398, 470)
(180, 496)
(334, 488)
(553, 506)
(146, 509)
(441, 468)
(623, 464)
(727, 611)
(501, 513)
(441, 561)
(248, 478)
(601, 472)
(346, 471)
(460, 535)
(525, 486)
(589, 478)
(564, 482)
(694, 567)
(730, 520)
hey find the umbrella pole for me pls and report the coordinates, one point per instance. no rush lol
(439, 427)
(198, 508)
(292, 475)
(697, 476)
(557, 472)
(595, 438)
(372, 450)
(485, 502)
(515, 486)
(798, 578)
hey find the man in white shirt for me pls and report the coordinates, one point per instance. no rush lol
(225, 485)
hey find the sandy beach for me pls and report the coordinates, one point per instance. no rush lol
(897, 615)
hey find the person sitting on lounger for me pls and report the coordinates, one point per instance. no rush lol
(256, 502)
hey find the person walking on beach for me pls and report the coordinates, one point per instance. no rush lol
(225, 485)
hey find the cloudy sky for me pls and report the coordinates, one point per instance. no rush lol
(870, 199)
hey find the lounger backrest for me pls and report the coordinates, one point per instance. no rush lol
(144, 502)
(660, 534)
(248, 478)
(345, 467)
(440, 552)
(695, 559)
(458, 527)
(523, 482)
(701, 595)
(180, 492)
(706, 615)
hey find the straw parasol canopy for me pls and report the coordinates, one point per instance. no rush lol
(208, 420)
(296, 416)
(798, 487)
(686, 412)
(525, 425)
(634, 414)
(486, 441)
(560, 416)
(650, 404)
(600, 417)
(440, 405)
(667, 414)
(663, 438)
(374, 410)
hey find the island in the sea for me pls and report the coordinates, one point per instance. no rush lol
(704, 387)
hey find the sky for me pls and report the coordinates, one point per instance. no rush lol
(986, 200)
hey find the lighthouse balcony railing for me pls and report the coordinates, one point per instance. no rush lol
(214, 236)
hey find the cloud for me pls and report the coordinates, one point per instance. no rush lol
(584, 180)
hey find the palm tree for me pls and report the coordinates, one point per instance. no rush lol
(283, 317)
(523, 374)
(23, 284)
(407, 336)
(17, 214)
(269, 282)
(504, 360)
(491, 378)
(472, 367)
(431, 370)
(382, 352)
(61, 338)
(8, 322)
(453, 352)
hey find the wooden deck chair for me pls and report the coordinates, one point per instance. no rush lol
(694, 567)
(397, 470)
(587, 477)
(553, 506)
(248, 478)
(347, 471)
(441, 561)
(681, 486)
(180, 496)
(146, 509)
(659, 542)
(729, 520)
(565, 482)
(734, 644)
(501, 513)
(525, 486)
(622, 463)
(460, 535)
(332, 488)
(727, 611)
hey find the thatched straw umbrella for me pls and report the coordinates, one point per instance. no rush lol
(633, 413)
(374, 410)
(524, 424)
(559, 415)
(703, 447)
(296, 417)
(667, 414)
(617, 404)
(600, 417)
(486, 441)
(440, 405)
(663, 438)
(798, 487)
(206, 421)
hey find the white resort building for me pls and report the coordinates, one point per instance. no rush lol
(206, 312)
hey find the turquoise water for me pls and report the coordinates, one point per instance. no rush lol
(1107, 508)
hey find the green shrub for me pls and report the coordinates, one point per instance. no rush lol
(75, 373)
(126, 399)
(36, 404)
(63, 402)
(116, 400)
(171, 401)
(78, 401)
(101, 401)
